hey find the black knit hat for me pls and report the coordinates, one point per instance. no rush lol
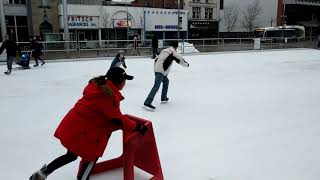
(118, 73)
(173, 44)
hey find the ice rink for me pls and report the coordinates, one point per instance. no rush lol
(231, 116)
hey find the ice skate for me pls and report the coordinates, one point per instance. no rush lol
(149, 107)
(39, 175)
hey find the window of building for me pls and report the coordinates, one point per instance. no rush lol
(44, 3)
(208, 13)
(196, 12)
(221, 4)
(17, 28)
(17, 1)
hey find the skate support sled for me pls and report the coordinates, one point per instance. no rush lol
(138, 150)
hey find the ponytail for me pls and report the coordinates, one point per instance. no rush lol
(100, 80)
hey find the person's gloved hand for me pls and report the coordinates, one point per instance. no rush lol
(141, 128)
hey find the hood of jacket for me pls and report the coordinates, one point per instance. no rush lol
(93, 91)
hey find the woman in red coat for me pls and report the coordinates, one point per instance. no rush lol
(87, 127)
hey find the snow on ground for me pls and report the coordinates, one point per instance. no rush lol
(231, 116)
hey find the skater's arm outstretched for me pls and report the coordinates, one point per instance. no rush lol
(179, 59)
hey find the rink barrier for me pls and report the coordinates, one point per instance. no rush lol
(109, 48)
(138, 150)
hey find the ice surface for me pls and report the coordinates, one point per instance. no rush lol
(231, 116)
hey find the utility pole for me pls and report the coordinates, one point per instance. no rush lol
(66, 27)
(3, 20)
(178, 20)
(283, 17)
(127, 24)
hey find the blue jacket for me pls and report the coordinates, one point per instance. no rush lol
(117, 62)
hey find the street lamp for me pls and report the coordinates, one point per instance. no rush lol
(178, 20)
(283, 16)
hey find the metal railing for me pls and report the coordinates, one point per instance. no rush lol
(109, 48)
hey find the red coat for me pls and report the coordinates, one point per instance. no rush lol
(86, 129)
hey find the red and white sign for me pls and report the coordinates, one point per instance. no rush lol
(122, 23)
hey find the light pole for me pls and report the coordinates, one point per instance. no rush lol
(178, 20)
(3, 20)
(283, 16)
(66, 27)
(127, 24)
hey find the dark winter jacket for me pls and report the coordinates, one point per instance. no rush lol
(11, 47)
(154, 42)
(117, 62)
(36, 48)
(86, 129)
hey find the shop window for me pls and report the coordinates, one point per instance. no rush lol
(23, 34)
(45, 3)
(196, 12)
(9, 20)
(17, 1)
(22, 20)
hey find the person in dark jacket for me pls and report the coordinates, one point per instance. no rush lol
(162, 66)
(87, 127)
(12, 49)
(155, 46)
(119, 60)
(36, 51)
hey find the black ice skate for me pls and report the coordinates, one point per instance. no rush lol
(149, 107)
(39, 175)
(7, 72)
(164, 100)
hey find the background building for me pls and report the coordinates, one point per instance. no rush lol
(203, 18)
(44, 17)
(166, 4)
(16, 24)
(122, 21)
(300, 12)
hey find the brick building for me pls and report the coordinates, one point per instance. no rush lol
(166, 4)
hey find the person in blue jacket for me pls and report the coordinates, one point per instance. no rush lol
(119, 60)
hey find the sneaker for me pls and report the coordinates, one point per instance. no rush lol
(39, 175)
(7, 72)
(149, 107)
(35, 65)
(164, 100)
(43, 63)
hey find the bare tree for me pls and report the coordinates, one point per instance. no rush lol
(250, 15)
(231, 16)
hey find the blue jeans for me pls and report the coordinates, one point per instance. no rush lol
(157, 82)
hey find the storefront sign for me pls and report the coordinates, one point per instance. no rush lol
(165, 19)
(83, 22)
(167, 27)
(121, 23)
